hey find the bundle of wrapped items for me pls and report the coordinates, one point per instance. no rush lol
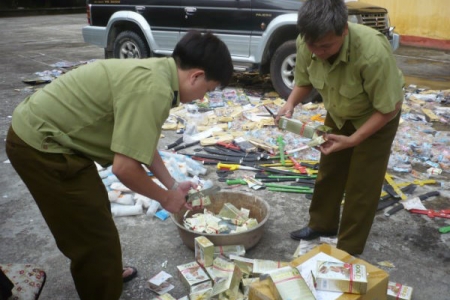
(125, 202)
(313, 130)
(230, 219)
(221, 272)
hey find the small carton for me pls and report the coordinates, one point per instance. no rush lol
(227, 277)
(231, 212)
(204, 251)
(397, 291)
(287, 283)
(164, 297)
(198, 200)
(201, 294)
(262, 266)
(192, 274)
(228, 250)
(246, 282)
(310, 130)
(243, 263)
(274, 150)
(160, 283)
(341, 277)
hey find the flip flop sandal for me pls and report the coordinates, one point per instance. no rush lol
(131, 276)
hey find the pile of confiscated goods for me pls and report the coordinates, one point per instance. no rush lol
(233, 116)
(322, 273)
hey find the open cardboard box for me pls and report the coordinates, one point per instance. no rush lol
(377, 278)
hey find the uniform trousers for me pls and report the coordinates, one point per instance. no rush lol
(74, 203)
(358, 173)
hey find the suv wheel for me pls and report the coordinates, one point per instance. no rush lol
(282, 68)
(129, 44)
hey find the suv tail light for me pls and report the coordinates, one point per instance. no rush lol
(88, 13)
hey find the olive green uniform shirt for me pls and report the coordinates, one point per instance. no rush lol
(105, 107)
(363, 78)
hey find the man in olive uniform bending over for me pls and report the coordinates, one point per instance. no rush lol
(109, 111)
(353, 69)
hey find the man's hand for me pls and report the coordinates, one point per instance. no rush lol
(298, 94)
(335, 143)
(176, 199)
(286, 110)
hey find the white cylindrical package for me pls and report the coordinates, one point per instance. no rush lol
(126, 210)
(113, 195)
(119, 186)
(153, 208)
(144, 201)
(112, 178)
(104, 173)
(125, 199)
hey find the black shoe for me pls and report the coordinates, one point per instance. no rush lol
(307, 234)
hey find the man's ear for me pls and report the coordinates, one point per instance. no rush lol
(345, 30)
(195, 74)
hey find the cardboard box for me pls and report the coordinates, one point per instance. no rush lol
(377, 279)
(204, 251)
(397, 291)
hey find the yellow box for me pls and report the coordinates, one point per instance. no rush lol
(228, 250)
(262, 266)
(227, 277)
(204, 251)
(341, 277)
(287, 283)
(192, 274)
(397, 291)
(376, 286)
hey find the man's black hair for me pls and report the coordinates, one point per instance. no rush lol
(316, 18)
(206, 52)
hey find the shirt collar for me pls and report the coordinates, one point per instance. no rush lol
(344, 53)
(174, 82)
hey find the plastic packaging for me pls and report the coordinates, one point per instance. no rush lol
(119, 210)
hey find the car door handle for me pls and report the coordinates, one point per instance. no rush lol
(140, 8)
(190, 10)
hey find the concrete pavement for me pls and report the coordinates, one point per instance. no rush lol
(31, 44)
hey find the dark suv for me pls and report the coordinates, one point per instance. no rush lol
(260, 34)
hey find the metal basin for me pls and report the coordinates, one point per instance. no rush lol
(259, 209)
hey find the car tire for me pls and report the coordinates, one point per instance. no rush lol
(129, 44)
(282, 69)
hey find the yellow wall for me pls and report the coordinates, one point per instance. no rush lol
(421, 18)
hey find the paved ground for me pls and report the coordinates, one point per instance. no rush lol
(31, 44)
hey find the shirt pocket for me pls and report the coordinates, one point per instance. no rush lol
(317, 83)
(354, 102)
(350, 91)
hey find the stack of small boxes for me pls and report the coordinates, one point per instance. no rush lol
(220, 271)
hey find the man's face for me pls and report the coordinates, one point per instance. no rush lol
(199, 86)
(328, 45)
